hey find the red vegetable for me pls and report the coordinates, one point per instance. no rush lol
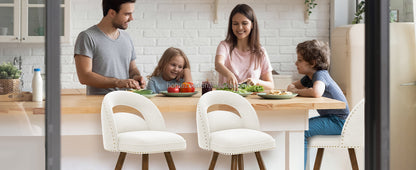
(187, 87)
(173, 89)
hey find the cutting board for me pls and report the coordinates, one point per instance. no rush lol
(21, 96)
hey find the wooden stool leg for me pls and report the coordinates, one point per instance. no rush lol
(120, 160)
(353, 158)
(145, 161)
(318, 159)
(234, 162)
(240, 162)
(260, 161)
(213, 161)
(169, 159)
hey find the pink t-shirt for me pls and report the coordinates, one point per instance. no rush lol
(242, 64)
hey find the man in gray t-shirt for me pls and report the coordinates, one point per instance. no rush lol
(104, 53)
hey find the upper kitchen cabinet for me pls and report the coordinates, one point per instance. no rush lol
(23, 21)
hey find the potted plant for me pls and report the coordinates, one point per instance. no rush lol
(9, 78)
(358, 13)
(309, 5)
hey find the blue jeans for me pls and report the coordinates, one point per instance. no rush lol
(323, 125)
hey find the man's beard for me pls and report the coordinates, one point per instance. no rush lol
(119, 26)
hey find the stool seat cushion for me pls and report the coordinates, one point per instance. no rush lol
(240, 141)
(147, 142)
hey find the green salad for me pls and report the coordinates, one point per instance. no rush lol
(243, 88)
(142, 91)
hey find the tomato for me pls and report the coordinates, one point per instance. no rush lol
(187, 87)
(173, 89)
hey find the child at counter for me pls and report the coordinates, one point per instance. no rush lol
(173, 68)
(313, 62)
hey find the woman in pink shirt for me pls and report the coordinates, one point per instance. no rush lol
(240, 57)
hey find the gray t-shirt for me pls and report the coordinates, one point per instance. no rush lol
(157, 84)
(332, 91)
(110, 58)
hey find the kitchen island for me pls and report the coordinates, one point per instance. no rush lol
(285, 120)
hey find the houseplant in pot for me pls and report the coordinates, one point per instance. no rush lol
(9, 78)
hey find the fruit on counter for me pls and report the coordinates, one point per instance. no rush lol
(187, 87)
(173, 89)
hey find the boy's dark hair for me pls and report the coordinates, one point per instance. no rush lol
(114, 5)
(315, 52)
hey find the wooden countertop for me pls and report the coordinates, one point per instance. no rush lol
(77, 102)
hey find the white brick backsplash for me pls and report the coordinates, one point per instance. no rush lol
(148, 59)
(208, 50)
(142, 24)
(212, 33)
(197, 24)
(201, 59)
(68, 69)
(67, 77)
(317, 32)
(67, 59)
(184, 33)
(154, 50)
(287, 50)
(194, 66)
(145, 42)
(289, 67)
(156, 33)
(188, 25)
(166, 7)
(197, 42)
(278, 24)
(292, 32)
(283, 58)
(206, 67)
(149, 68)
(171, 42)
(189, 50)
(215, 41)
(169, 24)
(16, 51)
(199, 7)
(145, 7)
(184, 16)
(155, 15)
(38, 51)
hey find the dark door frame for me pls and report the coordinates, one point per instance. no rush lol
(53, 86)
(377, 106)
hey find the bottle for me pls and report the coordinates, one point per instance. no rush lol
(206, 87)
(37, 86)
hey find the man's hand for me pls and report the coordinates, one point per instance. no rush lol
(141, 80)
(127, 83)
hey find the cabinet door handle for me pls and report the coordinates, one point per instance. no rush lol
(409, 84)
(23, 38)
(17, 38)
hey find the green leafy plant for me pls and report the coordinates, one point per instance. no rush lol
(358, 14)
(310, 4)
(9, 71)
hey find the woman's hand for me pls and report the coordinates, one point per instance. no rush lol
(232, 81)
(252, 81)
